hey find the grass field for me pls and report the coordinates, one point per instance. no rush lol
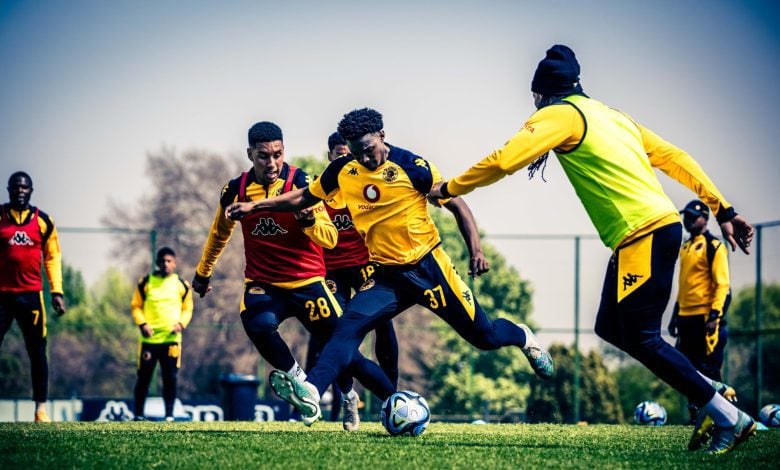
(291, 445)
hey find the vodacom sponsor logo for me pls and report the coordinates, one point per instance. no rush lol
(371, 193)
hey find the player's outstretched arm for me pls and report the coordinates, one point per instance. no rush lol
(478, 264)
(291, 201)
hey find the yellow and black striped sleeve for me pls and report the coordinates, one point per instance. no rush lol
(52, 255)
(720, 276)
(220, 231)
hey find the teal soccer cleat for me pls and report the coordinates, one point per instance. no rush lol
(303, 396)
(726, 439)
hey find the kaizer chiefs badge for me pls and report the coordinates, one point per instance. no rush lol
(367, 285)
(390, 174)
(331, 285)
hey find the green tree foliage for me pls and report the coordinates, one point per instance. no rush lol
(742, 366)
(462, 379)
(553, 400)
(637, 384)
(312, 165)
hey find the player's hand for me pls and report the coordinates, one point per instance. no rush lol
(711, 326)
(146, 330)
(238, 210)
(177, 328)
(738, 232)
(304, 217)
(58, 302)
(435, 192)
(478, 265)
(434, 201)
(200, 284)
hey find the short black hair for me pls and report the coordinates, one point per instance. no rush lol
(19, 174)
(165, 251)
(360, 122)
(264, 132)
(334, 140)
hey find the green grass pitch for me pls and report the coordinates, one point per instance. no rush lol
(291, 446)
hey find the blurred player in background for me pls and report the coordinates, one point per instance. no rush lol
(384, 188)
(609, 160)
(703, 297)
(27, 235)
(162, 309)
(285, 271)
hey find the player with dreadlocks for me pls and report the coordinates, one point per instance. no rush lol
(385, 189)
(609, 159)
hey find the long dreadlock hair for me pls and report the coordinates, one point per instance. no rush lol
(541, 161)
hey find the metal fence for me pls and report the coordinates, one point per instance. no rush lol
(565, 271)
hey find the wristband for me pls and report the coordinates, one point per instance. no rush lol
(725, 215)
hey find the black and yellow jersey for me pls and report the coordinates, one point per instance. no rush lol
(25, 236)
(388, 205)
(162, 302)
(704, 275)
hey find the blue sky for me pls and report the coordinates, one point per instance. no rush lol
(88, 88)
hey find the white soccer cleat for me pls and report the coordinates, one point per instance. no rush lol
(351, 421)
(540, 360)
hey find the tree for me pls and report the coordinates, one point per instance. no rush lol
(553, 400)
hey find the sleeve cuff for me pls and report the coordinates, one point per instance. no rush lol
(724, 215)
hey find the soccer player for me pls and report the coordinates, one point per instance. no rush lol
(703, 296)
(346, 265)
(285, 272)
(384, 188)
(26, 234)
(162, 309)
(609, 159)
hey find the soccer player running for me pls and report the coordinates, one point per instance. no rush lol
(162, 309)
(285, 272)
(703, 296)
(609, 159)
(384, 188)
(26, 234)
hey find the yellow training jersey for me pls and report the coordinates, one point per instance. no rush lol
(162, 302)
(704, 276)
(600, 149)
(388, 205)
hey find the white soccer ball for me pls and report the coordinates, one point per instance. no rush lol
(770, 415)
(650, 413)
(405, 413)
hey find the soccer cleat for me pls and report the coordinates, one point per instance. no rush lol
(702, 430)
(351, 421)
(42, 417)
(139, 418)
(726, 439)
(303, 396)
(540, 360)
(169, 419)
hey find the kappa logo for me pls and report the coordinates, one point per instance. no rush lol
(367, 285)
(21, 239)
(371, 193)
(421, 162)
(467, 296)
(353, 171)
(629, 280)
(390, 174)
(342, 222)
(267, 227)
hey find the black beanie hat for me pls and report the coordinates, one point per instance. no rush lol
(558, 73)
